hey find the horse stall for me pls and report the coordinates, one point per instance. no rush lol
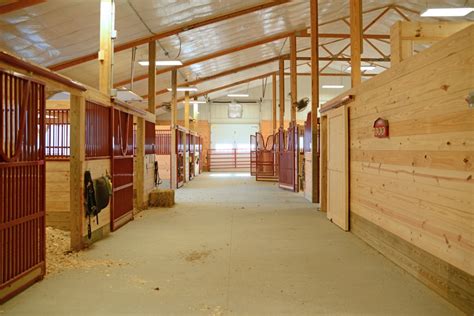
(181, 153)
(97, 162)
(163, 156)
(266, 158)
(23, 91)
(288, 150)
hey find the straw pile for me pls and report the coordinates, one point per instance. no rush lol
(161, 198)
(59, 257)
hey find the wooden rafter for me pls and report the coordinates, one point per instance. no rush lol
(174, 31)
(237, 83)
(12, 6)
(220, 53)
(377, 18)
(222, 74)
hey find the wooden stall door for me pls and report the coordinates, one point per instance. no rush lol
(122, 170)
(288, 159)
(22, 183)
(338, 160)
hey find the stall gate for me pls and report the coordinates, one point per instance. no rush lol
(288, 152)
(22, 183)
(266, 159)
(180, 158)
(253, 155)
(122, 169)
(192, 156)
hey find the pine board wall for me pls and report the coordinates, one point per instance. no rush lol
(412, 194)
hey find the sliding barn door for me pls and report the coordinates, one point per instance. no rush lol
(338, 168)
(22, 183)
(122, 169)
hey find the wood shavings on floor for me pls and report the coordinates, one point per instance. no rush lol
(59, 257)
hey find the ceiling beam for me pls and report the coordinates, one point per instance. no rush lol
(221, 74)
(369, 60)
(220, 53)
(237, 83)
(343, 35)
(12, 6)
(180, 29)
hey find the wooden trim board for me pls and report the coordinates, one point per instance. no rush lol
(453, 284)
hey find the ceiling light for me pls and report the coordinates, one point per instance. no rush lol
(363, 68)
(238, 95)
(197, 102)
(184, 89)
(162, 63)
(447, 12)
(332, 86)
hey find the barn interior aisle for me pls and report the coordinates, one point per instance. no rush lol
(231, 246)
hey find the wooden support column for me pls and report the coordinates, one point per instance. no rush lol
(294, 77)
(174, 112)
(356, 41)
(274, 103)
(151, 76)
(140, 165)
(195, 117)
(76, 163)
(314, 100)
(282, 92)
(106, 46)
(185, 142)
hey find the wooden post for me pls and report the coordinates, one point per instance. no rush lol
(294, 77)
(174, 97)
(324, 163)
(151, 76)
(274, 103)
(185, 142)
(195, 117)
(356, 41)
(76, 162)
(106, 46)
(282, 92)
(314, 100)
(140, 164)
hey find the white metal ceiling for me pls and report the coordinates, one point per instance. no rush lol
(60, 30)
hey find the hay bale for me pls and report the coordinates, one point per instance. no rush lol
(161, 198)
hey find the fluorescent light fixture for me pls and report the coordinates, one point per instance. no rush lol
(197, 102)
(447, 12)
(184, 89)
(238, 95)
(363, 68)
(161, 63)
(332, 86)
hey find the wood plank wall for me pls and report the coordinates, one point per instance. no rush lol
(413, 193)
(57, 195)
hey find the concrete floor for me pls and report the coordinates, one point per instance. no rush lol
(233, 246)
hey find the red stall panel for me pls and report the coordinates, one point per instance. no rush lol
(122, 169)
(22, 183)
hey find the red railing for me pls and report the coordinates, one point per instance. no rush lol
(98, 140)
(229, 159)
(22, 183)
(163, 142)
(57, 134)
